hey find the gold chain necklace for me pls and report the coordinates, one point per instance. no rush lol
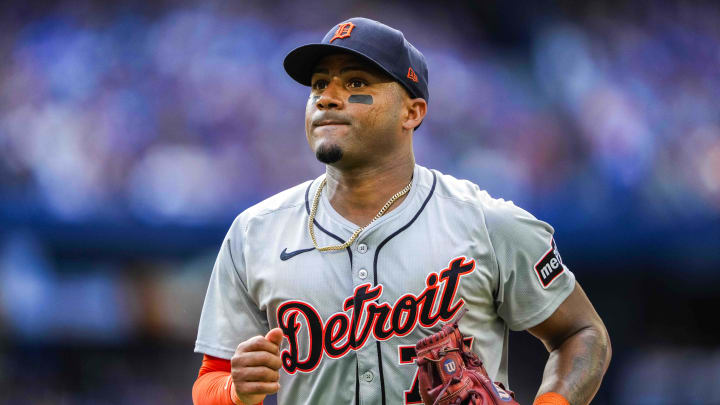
(355, 234)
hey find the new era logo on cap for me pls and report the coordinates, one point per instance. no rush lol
(411, 75)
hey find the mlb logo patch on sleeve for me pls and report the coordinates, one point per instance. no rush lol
(550, 266)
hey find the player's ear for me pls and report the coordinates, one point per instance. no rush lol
(416, 108)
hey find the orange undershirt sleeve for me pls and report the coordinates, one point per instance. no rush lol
(213, 385)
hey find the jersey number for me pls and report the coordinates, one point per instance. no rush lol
(407, 355)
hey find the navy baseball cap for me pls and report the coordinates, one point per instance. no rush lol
(383, 46)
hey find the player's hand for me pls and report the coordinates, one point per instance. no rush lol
(255, 365)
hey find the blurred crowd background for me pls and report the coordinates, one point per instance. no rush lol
(132, 133)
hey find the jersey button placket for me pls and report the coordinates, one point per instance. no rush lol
(362, 248)
(367, 355)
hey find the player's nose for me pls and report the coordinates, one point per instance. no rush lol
(332, 96)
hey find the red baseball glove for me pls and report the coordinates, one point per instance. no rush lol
(451, 373)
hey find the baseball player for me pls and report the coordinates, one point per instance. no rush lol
(320, 293)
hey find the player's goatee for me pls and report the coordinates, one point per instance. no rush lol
(329, 154)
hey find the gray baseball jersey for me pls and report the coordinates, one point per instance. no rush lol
(351, 318)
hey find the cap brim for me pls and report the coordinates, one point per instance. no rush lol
(301, 61)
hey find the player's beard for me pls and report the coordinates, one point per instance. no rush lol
(329, 154)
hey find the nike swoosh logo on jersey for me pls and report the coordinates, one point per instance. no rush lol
(284, 255)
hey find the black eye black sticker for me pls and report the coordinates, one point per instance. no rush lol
(355, 98)
(361, 99)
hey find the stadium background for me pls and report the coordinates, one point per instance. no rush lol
(132, 133)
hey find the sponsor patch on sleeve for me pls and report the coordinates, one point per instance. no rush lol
(550, 266)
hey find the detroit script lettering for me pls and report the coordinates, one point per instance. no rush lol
(343, 332)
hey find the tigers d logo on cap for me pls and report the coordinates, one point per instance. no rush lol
(343, 31)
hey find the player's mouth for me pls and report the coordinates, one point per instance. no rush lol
(323, 123)
(329, 118)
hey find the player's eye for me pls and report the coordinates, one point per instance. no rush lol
(320, 84)
(356, 83)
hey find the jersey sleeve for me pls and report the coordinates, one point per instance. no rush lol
(532, 280)
(229, 315)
